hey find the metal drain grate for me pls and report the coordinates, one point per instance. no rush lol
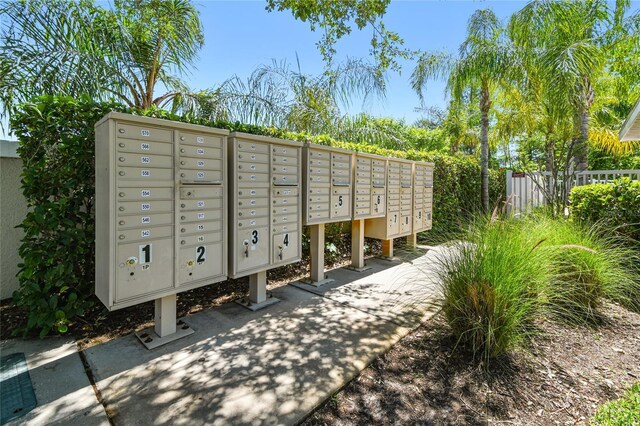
(16, 391)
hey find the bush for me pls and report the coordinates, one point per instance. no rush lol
(613, 205)
(490, 287)
(57, 149)
(622, 412)
(56, 137)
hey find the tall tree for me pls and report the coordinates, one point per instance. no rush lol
(72, 48)
(485, 61)
(570, 45)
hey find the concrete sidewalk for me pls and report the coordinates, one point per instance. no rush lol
(268, 367)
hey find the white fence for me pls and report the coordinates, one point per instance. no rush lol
(528, 190)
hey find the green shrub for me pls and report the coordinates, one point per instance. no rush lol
(57, 149)
(490, 285)
(622, 412)
(615, 205)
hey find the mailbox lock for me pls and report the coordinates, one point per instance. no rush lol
(182, 217)
(246, 248)
(121, 194)
(121, 237)
(121, 173)
(239, 213)
(121, 130)
(132, 261)
(183, 242)
(183, 230)
(121, 145)
(182, 174)
(182, 150)
(121, 222)
(121, 159)
(182, 205)
(191, 263)
(280, 254)
(121, 209)
(181, 138)
(182, 163)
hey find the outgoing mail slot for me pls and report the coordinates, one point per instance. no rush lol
(261, 148)
(200, 164)
(252, 249)
(200, 216)
(144, 147)
(253, 167)
(205, 176)
(250, 157)
(145, 160)
(193, 192)
(205, 203)
(131, 131)
(253, 223)
(202, 238)
(145, 220)
(248, 213)
(142, 206)
(200, 152)
(196, 139)
(200, 228)
(286, 247)
(204, 261)
(285, 180)
(151, 193)
(144, 174)
(142, 268)
(144, 233)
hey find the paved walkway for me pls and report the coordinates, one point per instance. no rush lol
(272, 366)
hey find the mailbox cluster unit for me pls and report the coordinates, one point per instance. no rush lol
(180, 206)
(398, 219)
(160, 208)
(328, 177)
(265, 180)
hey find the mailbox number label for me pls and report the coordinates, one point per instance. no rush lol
(145, 160)
(200, 227)
(285, 241)
(145, 206)
(201, 238)
(145, 132)
(200, 163)
(145, 193)
(200, 175)
(145, 146)
(145, 253)
(378, 200)
(200, 203)
(200, 215)
(340, 200)
(145, 173)
(146, 219)
(145, 233)
(200, 139)
(200, 151)
(254, 237)
(201, 254)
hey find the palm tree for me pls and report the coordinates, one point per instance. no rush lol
(485, 61)
(569, 44)
(74, 48)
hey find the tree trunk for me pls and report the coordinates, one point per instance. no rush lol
(485, 105)
(581, 147)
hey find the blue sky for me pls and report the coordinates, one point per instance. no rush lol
(241, 35)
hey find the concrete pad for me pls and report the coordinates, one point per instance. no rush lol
(241, 367)
(400, 292)
(62, 388)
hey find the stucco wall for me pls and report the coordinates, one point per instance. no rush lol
(13, 209)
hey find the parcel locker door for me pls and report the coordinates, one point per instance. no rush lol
(252, 248)
(378, 202)
(393, 223)
(285, 247)
(143, 267)
(200, 262)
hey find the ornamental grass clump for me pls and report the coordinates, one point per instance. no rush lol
(490, 287)
(588, 267)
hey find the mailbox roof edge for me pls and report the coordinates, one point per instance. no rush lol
(161, 122)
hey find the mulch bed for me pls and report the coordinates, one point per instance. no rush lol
(561, 379)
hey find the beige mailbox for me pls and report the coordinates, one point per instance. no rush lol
(265, 178)
(398, 219)
(160, 214)
(422, 196)
(328, 197)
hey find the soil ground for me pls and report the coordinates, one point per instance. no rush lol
(561, 379)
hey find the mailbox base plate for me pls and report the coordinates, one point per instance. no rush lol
(307, 281)
(245, 303)
(389, 259)
(151, 340)
(354, 269)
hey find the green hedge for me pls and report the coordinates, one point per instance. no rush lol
(613, 205)
(56, 137)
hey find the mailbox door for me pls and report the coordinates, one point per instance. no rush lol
(285, 247)
(252, 248)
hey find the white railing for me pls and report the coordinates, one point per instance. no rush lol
(531, 189)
